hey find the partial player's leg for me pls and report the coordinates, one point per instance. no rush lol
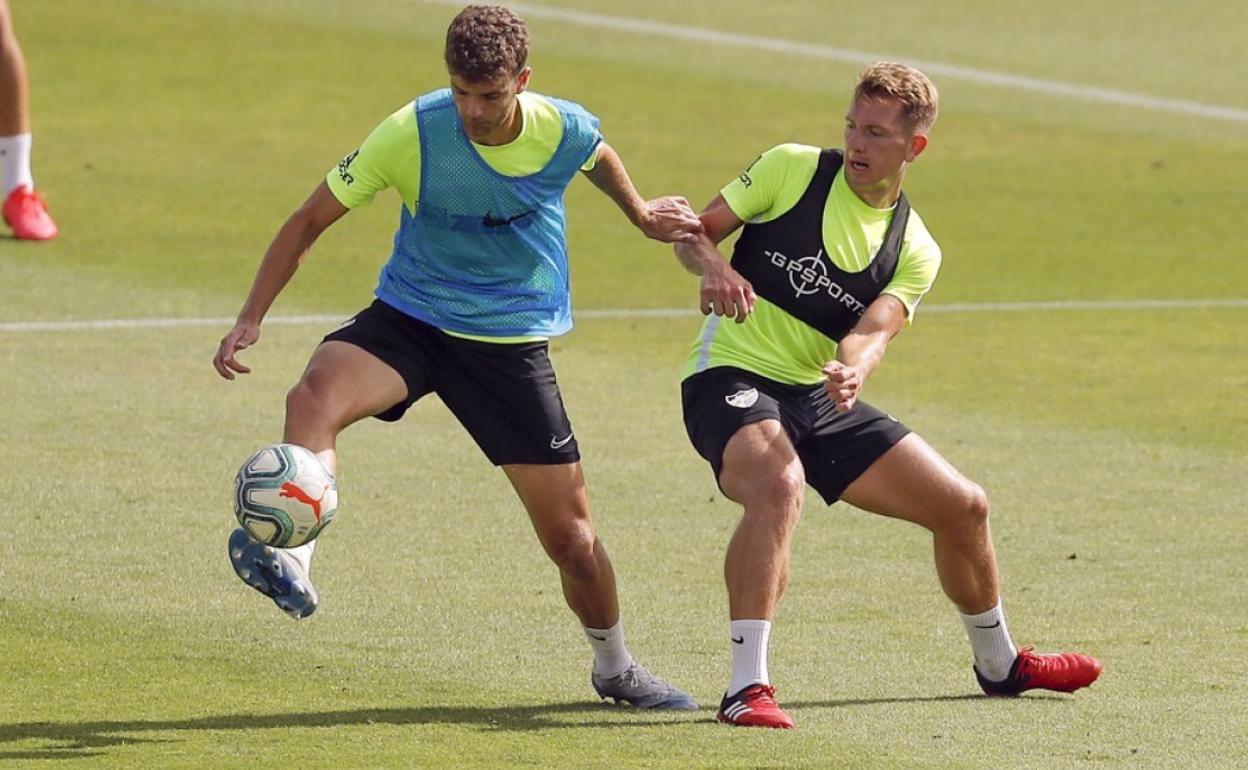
(735, 421)
(555, 498)
(14, 88)
(507, 397)
(23, 209)
(343, 383)
(912, 481)
(762, 472)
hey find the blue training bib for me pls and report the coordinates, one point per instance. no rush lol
(485, 253)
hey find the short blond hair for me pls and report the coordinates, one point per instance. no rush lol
(907, 85)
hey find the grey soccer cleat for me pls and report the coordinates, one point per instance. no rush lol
(274, 573)
(638, 687)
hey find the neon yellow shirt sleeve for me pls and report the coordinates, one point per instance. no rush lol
(773, 183)
(389, 157)
(917, 268)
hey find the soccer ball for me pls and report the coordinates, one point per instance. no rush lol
(284, 495)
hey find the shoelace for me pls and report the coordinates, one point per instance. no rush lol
(31, 199)
(763, 692)
(1030, 661)
(634, 676)
(630, 677)
(1055, 670)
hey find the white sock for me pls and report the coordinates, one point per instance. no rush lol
(990, 641)
(611, 657)
(303, 554)
(749, 654)
(15, 162)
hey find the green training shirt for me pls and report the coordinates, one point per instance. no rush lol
(771, 342)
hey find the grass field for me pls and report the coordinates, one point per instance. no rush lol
(172, 138)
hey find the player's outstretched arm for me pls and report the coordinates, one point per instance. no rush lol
(289, 247)
(666, 219)
(860, 351)
(724, 291)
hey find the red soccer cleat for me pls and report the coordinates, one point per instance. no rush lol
(1061, 671)
(755, 706)
(27, 214)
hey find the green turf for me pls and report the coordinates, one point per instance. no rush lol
(173, 137)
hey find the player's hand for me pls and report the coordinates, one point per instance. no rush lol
(670, 219)
(842, 384)
(725, 291)
(241, 337)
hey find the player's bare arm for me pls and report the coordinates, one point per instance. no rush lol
(724, 291)
(668, 219)
(285, 253)
(860, 351)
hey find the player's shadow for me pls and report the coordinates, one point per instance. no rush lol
(67, 740)
(70, 740)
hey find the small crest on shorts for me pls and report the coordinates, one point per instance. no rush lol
(743, 399)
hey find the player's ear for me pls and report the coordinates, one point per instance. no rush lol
(522, 80)
(918, 143)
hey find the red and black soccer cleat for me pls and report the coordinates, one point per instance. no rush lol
(1061, 671)
(755, 706)
(25, 212)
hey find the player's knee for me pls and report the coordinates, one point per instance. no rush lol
(778, 497)
(308, 408)
(572, 549)
(788, 485)
(963, 513)
(301, 402)
(975, 506)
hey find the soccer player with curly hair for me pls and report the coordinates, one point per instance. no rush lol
(475, 286)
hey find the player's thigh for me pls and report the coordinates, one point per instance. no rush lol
(558, 507)
(760, 461)
(729, 411)
(555, 498)
(344, 383)
(912, 481)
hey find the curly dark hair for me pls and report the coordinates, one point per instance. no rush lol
(486, 42)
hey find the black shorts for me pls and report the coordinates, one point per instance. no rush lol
(835, 448)
(504, 394)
